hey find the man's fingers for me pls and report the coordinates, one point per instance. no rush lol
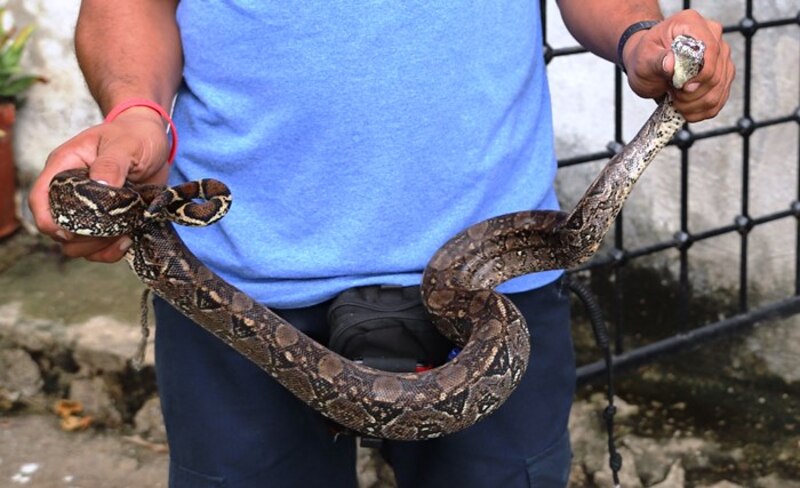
(692, 24)
(105, 250)
(108, 170)
(649, 79)
(114, 160)
(705, 94)
(667, 63)
(712, 87)
(135, 149)
(38, 201)
(691, 87)
(62, 158)
(134, 146)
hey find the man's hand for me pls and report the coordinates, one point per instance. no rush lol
(134, 146)
(125, 50)
(649, 62)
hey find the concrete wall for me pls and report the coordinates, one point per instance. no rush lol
(583, 105)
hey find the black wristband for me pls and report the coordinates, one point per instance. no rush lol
(631, 30)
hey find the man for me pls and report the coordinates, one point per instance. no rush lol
(356, 138)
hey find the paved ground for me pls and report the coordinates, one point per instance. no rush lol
(35, 453)
(44, 300)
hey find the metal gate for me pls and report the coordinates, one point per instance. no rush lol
(617, 262)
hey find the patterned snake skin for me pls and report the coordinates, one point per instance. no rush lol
(457, 288)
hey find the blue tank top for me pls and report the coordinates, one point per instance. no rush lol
(358, 137)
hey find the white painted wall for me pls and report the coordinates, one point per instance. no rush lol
(55, 111)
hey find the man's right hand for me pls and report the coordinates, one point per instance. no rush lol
(134, 146)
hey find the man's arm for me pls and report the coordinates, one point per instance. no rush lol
(129, 49)
(125, 50)
(599, 24)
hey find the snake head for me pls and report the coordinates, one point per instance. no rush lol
(85, 207)
(689, 54)
(194, 203)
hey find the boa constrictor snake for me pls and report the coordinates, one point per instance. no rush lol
(457, 288)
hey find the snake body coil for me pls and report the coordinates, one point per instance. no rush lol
(457, 288)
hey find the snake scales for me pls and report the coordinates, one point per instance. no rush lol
(457, 288)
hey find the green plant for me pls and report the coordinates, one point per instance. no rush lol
(12, 45)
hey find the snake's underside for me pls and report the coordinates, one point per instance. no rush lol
(457, 288)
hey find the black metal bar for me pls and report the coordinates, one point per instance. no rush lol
(696, 136)
(631, 254)
(567, 51)
(618, 318)
(772, 217)
(684, 242)
(586, 158)
(796, 204)
(796, 213)
(651, 249)
(728, 29)
(681, 342)
(775, 121)
(749, 28)
(721, 131)
(716, 232)
(683, 239)
(543, 19)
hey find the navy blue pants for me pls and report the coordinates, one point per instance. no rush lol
(231, 425)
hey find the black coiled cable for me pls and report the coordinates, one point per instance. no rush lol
(601, 338)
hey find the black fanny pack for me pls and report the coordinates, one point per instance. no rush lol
(386, 327)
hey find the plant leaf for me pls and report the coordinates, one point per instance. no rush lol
(16, 86)
(13, 54)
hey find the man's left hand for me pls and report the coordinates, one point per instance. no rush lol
(650, 62)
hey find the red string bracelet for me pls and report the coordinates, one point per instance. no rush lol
(143, 102)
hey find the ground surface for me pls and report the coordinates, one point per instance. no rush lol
(36, 453)
(44, 298)
(703, 419)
